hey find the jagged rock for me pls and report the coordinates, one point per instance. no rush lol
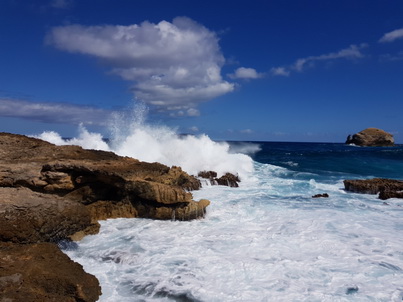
(49, 193)
(324, 195)
(41, 272)
(90, 176)
(387, 188)
(371, 137)
(228, 179)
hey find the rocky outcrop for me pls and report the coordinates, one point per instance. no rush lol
(387, 188)
(50, 193)
(371, 137)
(228, 179)
(41, 272)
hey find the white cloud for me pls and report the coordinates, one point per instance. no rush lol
(53, 112)
(194, 129)
(245, 73)
(350, 53)
(280, 71)
(172, 65)
(392, 36)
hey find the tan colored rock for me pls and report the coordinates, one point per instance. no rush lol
(41, 272)
(30, 217)
(371, 137)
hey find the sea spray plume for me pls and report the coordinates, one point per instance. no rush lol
(133, 137)
(85, 139)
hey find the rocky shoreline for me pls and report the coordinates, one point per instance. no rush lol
(50, 193)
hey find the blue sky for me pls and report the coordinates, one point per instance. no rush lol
(237, 70)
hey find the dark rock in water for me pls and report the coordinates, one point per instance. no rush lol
(371, 137)
(390, 194)
(387, 188)
(352, 290)
(228, 179)
(325, 195)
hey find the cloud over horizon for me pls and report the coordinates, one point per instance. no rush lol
(59, 113)
(174, 66)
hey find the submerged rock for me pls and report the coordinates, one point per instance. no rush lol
(324, 195)
(371, 137)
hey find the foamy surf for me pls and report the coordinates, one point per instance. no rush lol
(131, 136)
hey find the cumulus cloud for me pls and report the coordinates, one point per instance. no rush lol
(350, 53)
(392, 36)
(174, 66)
(53, 112)
(245, 73)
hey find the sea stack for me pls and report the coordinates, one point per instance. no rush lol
(371, 137)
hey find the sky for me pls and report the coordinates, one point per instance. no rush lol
(285, 70)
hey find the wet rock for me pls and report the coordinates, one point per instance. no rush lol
(228, 179)
(387, 188)
(371, 137)
(325, 195)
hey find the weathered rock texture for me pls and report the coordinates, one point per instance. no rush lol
(228, 179)
(371, 137)
(387, 188)
(41, 272)
(50, 193)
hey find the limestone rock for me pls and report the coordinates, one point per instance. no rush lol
(30, 217)
(371, 137)
(41, 272)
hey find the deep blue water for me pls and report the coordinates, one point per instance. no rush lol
(332, 159)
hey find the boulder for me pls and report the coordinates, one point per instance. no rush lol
(371, 137)
(387, 188)
(41, 272)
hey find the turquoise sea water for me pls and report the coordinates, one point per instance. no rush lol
(267, 240)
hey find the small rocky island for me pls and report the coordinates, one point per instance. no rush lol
(51, 193)
(371, 137)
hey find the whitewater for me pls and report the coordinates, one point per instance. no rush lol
(267, 240)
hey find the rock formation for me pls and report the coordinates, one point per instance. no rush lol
(387, 188)
(371, 137)
(228, 179)
(50, 193)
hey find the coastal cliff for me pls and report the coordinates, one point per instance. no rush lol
(50, 193)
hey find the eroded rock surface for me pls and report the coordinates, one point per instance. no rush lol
(50, 193)
(41, 272)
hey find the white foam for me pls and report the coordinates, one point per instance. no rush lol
(132, 136)
(260, 243)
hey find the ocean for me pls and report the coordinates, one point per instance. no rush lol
(267, 240)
